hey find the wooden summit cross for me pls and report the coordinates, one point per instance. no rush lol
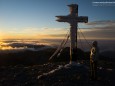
(73, 20)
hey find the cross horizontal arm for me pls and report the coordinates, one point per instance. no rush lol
(70, 19)
(82, 19)
(62, 18)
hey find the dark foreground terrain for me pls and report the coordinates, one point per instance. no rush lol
(21, 71)
(55, 74)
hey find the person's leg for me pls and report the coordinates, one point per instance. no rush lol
(91, 70)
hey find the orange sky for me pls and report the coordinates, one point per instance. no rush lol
(52, 33)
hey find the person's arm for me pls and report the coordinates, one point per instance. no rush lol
(93, 54)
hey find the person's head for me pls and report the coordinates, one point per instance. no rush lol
(94, 43)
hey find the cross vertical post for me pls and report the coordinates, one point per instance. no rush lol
(73, 20)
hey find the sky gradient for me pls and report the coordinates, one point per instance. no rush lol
(35, 19)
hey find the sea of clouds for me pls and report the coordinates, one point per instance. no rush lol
(11, 46)
(105, 46)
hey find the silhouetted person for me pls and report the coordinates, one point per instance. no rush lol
(94, 55)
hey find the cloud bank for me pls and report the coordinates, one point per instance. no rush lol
(101, 30)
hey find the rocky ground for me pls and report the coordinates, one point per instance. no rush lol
(55, 74)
